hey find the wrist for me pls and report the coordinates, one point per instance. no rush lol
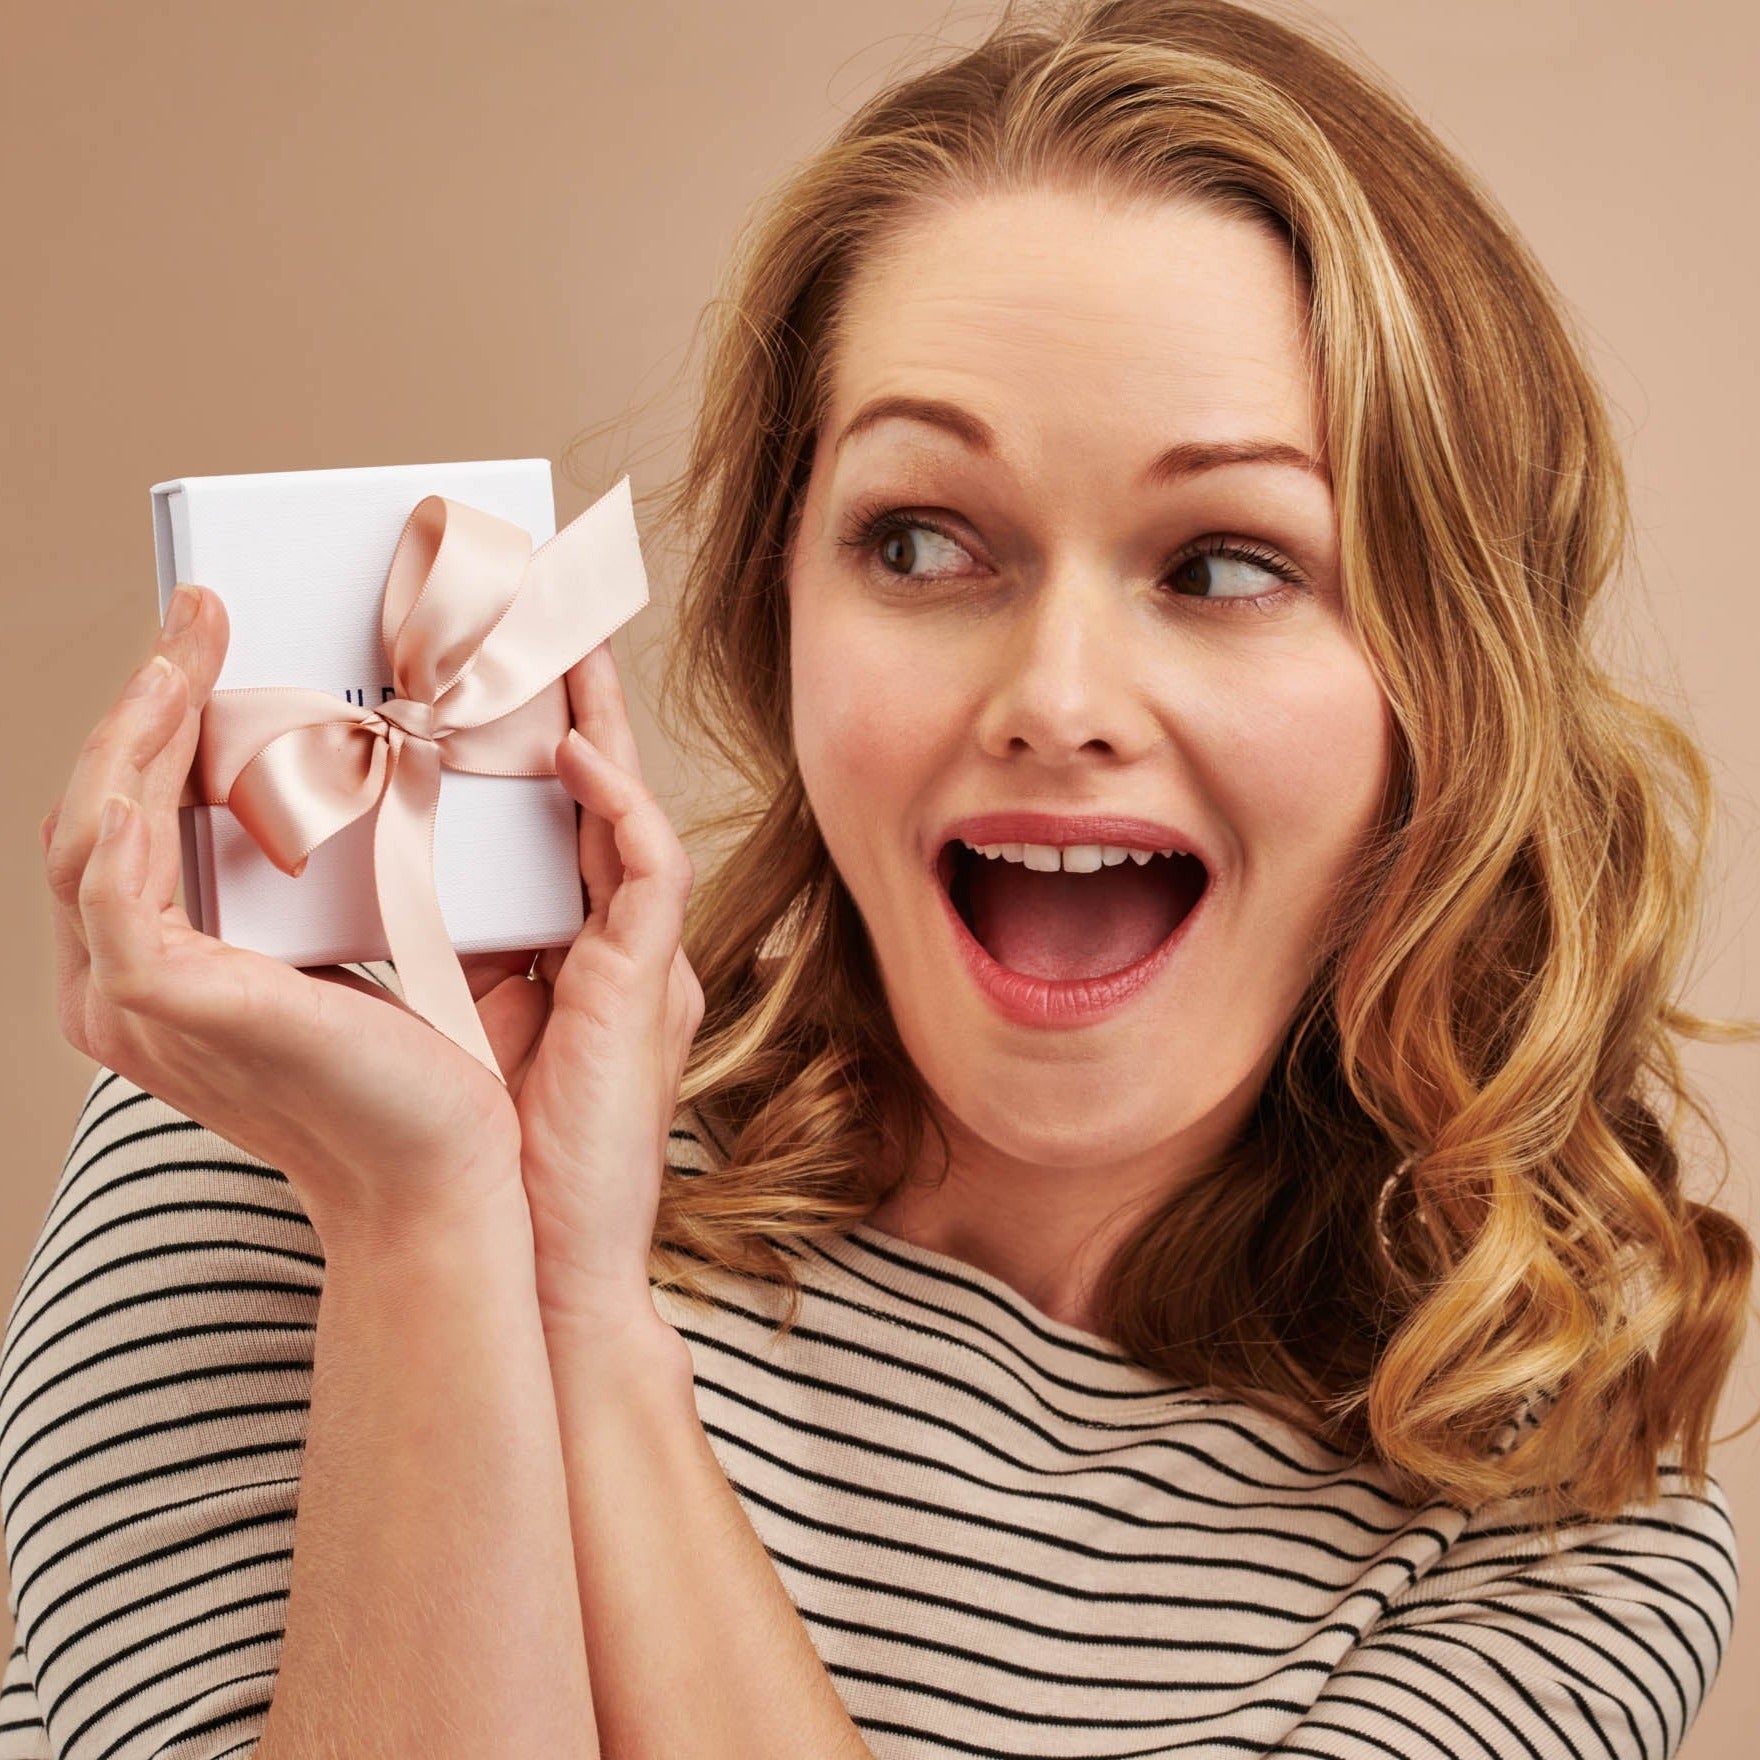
(495, 1221)
(618, 1353)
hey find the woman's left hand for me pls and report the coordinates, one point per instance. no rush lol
(606, 1026)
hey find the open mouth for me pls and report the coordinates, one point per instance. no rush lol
(1061, 925)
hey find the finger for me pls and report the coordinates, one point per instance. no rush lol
(122, 929)
(598, 708)
(645, 914)
(73, 975)
(513, 1016)
(601, 868)
(516, 1076)
(483, 971)
(194, 635)
(112, 761)
(72, 964)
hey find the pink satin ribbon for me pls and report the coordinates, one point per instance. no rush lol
(479, 629)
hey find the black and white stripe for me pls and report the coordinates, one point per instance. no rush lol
(1005, 1538)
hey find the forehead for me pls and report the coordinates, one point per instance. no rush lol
(1055, 314)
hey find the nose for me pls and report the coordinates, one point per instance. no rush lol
(1064, 673)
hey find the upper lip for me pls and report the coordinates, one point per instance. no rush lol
(1070, 828)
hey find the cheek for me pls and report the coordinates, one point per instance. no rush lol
(867, 723)
(1306, 767)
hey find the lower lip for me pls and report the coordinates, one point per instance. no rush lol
(1060, 1002)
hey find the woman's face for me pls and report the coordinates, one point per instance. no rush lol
(1042, 633)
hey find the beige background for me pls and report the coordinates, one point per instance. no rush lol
(283, 237)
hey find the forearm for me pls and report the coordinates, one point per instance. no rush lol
(696, 1651)
(433, 1610)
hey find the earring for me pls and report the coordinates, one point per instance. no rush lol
(1387, 1186)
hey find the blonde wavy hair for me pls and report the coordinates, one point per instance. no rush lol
(1493, 1017)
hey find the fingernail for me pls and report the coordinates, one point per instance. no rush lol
(585, 744)
(182, 610)
(155, 675)
(117, 807)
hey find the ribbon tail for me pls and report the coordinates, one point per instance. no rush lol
(586, 582)
(428, 967)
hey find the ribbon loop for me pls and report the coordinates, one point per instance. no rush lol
(479, 630)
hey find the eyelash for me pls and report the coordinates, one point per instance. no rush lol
(874, 522)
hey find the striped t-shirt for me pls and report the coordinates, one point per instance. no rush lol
(1004, 1537)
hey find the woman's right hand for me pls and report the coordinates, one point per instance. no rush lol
(378, 1120)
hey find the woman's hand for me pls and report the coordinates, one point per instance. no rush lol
(376, 1118)
(598, 1088)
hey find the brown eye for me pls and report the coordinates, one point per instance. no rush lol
(888, 540)
(1193, 576)
(1218, 571)
(898, 547)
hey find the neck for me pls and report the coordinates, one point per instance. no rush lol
(1048, 1232)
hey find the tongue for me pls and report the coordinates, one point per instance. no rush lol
(1067, 925)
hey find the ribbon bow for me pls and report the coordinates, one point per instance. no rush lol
(479, 629)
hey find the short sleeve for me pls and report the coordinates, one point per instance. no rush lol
(1605, 1652)
(154, 1387)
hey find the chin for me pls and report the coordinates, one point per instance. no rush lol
(1065, 1115)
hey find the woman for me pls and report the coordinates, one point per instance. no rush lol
(1146, 499)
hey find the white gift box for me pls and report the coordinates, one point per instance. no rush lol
(299, 559)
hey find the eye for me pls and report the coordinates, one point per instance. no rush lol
(887, 536)
(1196, 574)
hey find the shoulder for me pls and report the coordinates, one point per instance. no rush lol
(1501, 1642)
(145, 1190)
(164, 1248)
(1678, 1550)
(155, 1383)
(1633, 1612)
(151, 1206)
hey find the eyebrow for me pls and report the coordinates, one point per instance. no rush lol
(1185, 458)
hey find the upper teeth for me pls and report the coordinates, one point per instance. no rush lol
(1074, 858)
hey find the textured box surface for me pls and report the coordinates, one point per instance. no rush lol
(299, 559)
